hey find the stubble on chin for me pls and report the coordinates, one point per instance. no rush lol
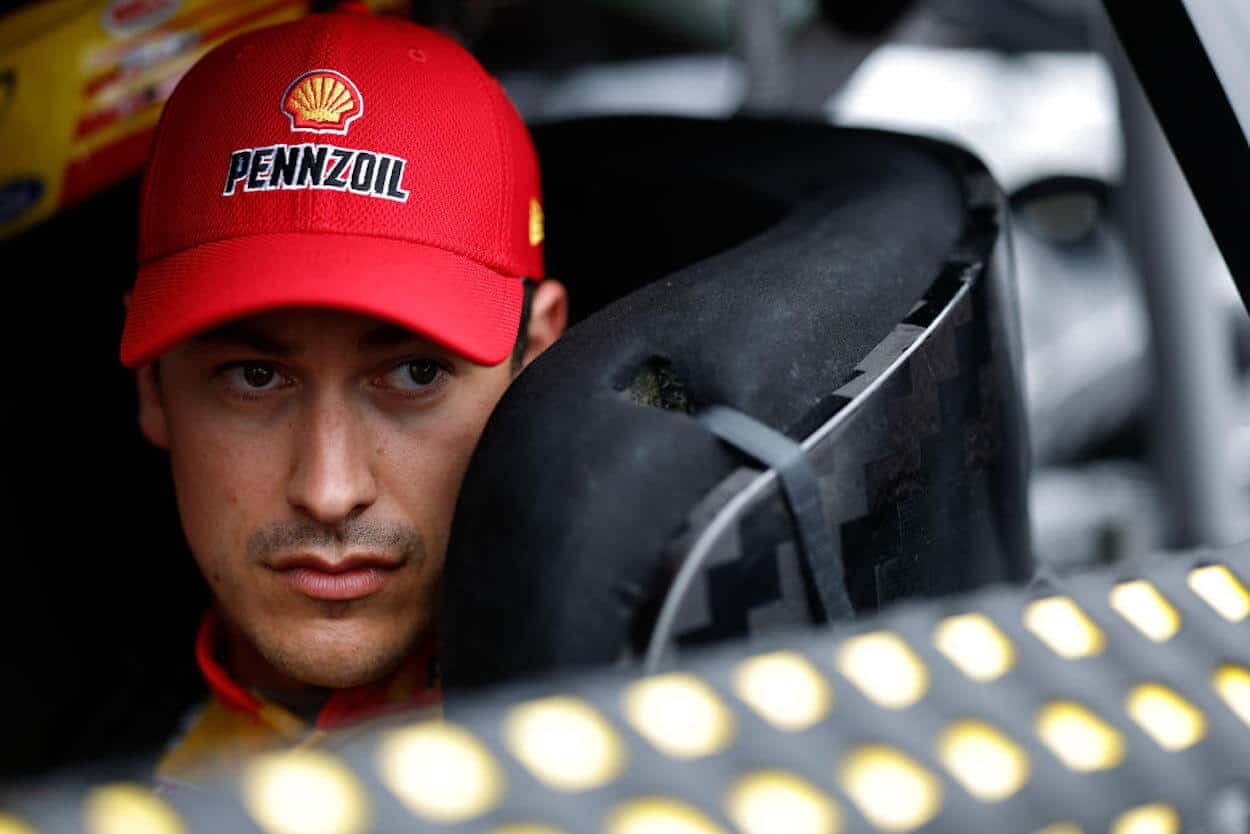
(335, 643)
(336, 652)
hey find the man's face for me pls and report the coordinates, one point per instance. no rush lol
(317, 456)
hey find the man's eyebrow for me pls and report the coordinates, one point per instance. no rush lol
(386, 336)
(239, 334)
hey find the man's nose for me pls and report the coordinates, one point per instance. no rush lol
(331, 477)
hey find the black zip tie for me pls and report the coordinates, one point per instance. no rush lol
(801, 491)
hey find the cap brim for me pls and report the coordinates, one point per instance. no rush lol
(448, 298)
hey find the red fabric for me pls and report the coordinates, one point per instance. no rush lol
(348, 706)
(414, 684)
(458, 242)
(219, 683)
(454, 300)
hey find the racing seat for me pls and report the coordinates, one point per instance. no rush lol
(842, 294)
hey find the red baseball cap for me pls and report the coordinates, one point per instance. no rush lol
(346, 161)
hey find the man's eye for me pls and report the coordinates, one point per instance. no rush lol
(415, 375)
(254, 376)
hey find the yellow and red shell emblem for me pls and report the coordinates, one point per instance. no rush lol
(322, 101)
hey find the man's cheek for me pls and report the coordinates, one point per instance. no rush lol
(219, 504)
(456, 453)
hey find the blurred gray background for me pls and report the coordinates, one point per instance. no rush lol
(1137, 345)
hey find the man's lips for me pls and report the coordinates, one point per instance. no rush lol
(346, 579)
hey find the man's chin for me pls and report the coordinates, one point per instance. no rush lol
(335, 653)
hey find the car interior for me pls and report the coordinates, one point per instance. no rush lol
(789, 415)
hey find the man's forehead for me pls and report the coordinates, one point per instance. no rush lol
(289, 332)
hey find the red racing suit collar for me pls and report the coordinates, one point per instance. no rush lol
(414, 684)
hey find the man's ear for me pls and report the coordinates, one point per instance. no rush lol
(152, 421)
(549, 314)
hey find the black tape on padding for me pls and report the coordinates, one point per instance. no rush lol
(801, 489)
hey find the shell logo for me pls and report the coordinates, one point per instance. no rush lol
(322, 101)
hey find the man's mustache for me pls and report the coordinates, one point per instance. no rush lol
(357, 534)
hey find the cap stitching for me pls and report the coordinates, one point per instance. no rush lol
(313, 207)
(499, 98)
(484, 81)
(149, 180)
(500, 268)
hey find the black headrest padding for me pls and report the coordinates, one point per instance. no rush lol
(576, 488)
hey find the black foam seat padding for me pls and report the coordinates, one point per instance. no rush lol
(818, 242)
